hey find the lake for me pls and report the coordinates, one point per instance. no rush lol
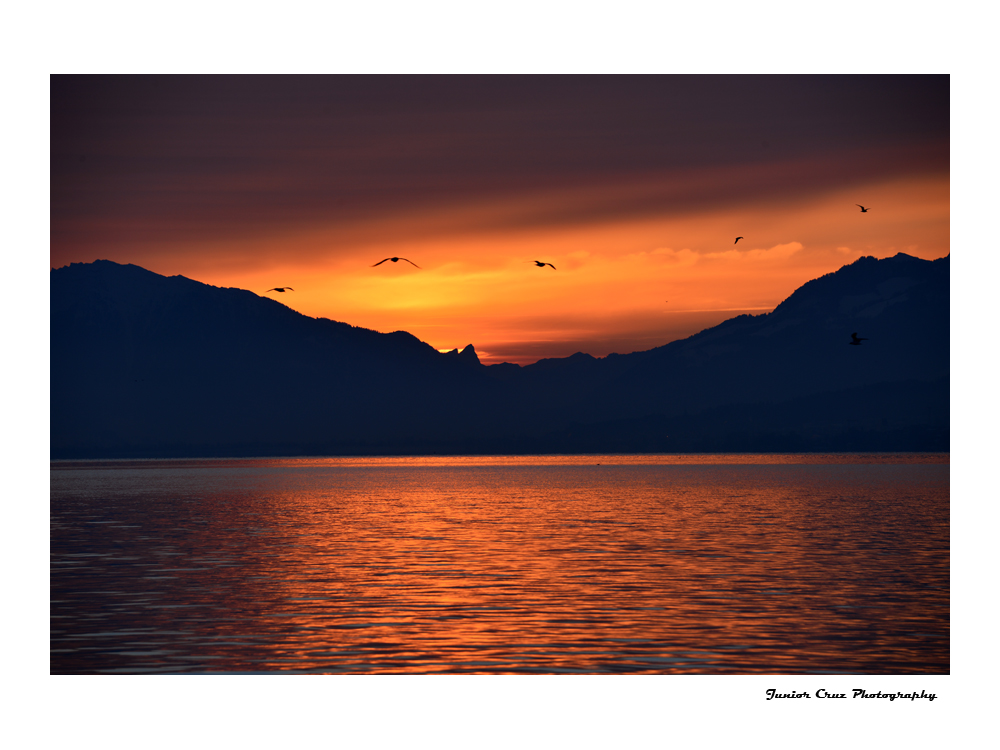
(660, 564)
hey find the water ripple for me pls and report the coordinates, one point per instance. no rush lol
(835, 564)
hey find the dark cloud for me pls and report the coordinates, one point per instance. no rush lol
(152, 158)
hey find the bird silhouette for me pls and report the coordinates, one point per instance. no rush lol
(738, 239)
(855, 341)
(280, 289)
(542, 265)
(395, 260)
(863, 209)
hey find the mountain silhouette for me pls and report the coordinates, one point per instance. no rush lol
(144, 365)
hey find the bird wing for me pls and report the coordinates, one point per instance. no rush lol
(379, 263)
(410, 262)
(272, 290)
(553, 267)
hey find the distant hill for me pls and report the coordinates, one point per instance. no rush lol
(144, 365)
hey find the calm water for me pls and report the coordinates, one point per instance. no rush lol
(547, 564)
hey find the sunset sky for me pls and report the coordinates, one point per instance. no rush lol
(633, 187)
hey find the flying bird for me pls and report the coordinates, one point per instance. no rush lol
(280, 289)
(855, 341)
(542, 265)
(738, 239)
(396, 260)
(863, 209)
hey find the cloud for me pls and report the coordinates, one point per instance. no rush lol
(778, 252)
(94, 212)
(687, 257)
(683, 257)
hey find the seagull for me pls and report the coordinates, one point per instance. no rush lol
(738, 239)
(395, 260)
(280, 289)
(542, 265)
(855, 341)
(863, 209)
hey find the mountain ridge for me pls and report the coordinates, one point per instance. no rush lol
(147, 365)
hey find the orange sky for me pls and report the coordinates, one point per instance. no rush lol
(634, 187)
(623, 285)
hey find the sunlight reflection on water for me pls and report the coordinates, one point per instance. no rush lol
(517, 564)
